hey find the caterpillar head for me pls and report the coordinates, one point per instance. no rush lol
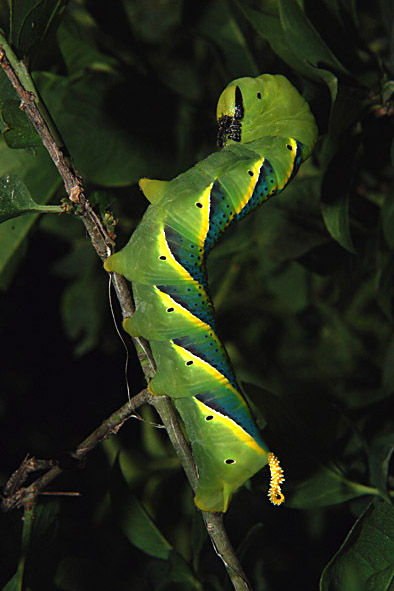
(252, 108)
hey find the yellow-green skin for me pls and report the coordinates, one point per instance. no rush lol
(268, 130)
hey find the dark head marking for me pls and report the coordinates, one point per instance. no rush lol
(239, 104)
(230, 127)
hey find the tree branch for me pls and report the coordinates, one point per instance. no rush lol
(104, 246)
(15, 495)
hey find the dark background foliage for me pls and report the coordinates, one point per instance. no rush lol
(303, 290)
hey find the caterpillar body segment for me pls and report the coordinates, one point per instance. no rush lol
(267, 130)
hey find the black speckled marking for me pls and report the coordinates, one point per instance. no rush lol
(210, 351)
(186, 254)
(219, 216)
(193, 299)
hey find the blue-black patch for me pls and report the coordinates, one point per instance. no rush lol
(210, 351)
(265, 187)
(194, 299)
(187, 254)
(229, 405)
(219, 215)
(297, 159)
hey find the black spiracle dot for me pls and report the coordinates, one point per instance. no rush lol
(198, 204)
(289, 147)
(272, 181)
(170, 309)
(229, 461)
(162, 257)
(250, 173)
(259, 95)
(189, 362)
(209, 418)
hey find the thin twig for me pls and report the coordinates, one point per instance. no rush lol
(16, 496)
(104, 246)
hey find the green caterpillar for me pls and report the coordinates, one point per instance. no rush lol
(266, 130)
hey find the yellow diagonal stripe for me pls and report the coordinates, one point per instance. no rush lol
(230, 424)
(204, 199)
(292, 142)
(253, 180)
(198, 362)
(168, 302)
(164, 250)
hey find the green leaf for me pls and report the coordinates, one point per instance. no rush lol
(348, 105)
(388, 213)
(19, 132)
(15, 199)
(336, 216)
(326, 487)
(385, 292)
(103, 151)
(31, 21)
(82, 303)
(365, 561)
(181, 573)
(388, 369)
(82, 310)
(294, 39)
(303, 38)
(379, 458)
(335, 187)
(290, 287)
(220, 26)
(41, 179)
(142, 532)
(16, 583)
(79, 49)
(268, 26)
(7, 93)
(290, 226)
(71, 570)
(135, 522)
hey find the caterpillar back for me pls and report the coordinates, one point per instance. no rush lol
(266, 130)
